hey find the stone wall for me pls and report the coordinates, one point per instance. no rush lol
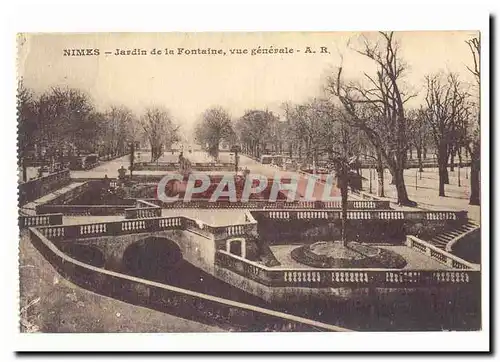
(34, 189)
(196, 249)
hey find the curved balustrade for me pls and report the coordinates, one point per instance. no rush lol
(438, 254)
(322, 278)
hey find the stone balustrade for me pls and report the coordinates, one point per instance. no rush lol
(438, 254)
(364, 215)
(359, 278)
(40, 220)
(143, 210)
(83, 210)
(174, 166)
(148, 225)
(265, 204)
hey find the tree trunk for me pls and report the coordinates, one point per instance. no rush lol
(393, 178)
(380, 173)
(442, 176)
(475, 182)
(446, 177)
(398, 178)
(344, 194)
(442, 168)
(419, 158)
(424, 152)
(452, 160)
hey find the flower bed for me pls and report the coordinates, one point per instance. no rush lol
(354, 255)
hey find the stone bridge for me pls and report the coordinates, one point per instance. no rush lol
(112, 251)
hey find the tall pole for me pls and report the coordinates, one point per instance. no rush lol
(132, 156)
(370, 180)
(458, 172)
(416, 178)
(236, 161)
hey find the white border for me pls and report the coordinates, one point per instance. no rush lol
(228, 16)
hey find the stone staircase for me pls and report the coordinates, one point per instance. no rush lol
(441, 240)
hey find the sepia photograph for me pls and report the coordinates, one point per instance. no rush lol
(250, 182)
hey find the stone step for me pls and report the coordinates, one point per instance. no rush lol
(441, 239)
(440, 245)
(451, 234)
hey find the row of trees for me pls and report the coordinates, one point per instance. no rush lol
(369, 117)
(64, 122)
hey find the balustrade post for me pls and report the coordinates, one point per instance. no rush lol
(427, 250)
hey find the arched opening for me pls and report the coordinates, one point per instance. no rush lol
(159, 259)
(236, 246)
(152, 257)
(85, 253)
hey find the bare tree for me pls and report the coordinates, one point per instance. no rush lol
(118, 129)
(160, 130)
(214, 127)
(256, 128)
(445, 105)
(311, 126)
(27, 132)
(473, 135)
(383, 99)
(419, 134)
(66, 122)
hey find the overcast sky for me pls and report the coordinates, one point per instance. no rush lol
(187, 85)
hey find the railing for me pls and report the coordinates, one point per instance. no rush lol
(224, 232)
(143, 210)
(324, 278)
(173, 300)
(264, 204)
(438, 254)
(111, 228)
(173, 166)
(415, 164)
(131, 226)
(34, 189)
(40, 220)
(83, 210)
(363, 215)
